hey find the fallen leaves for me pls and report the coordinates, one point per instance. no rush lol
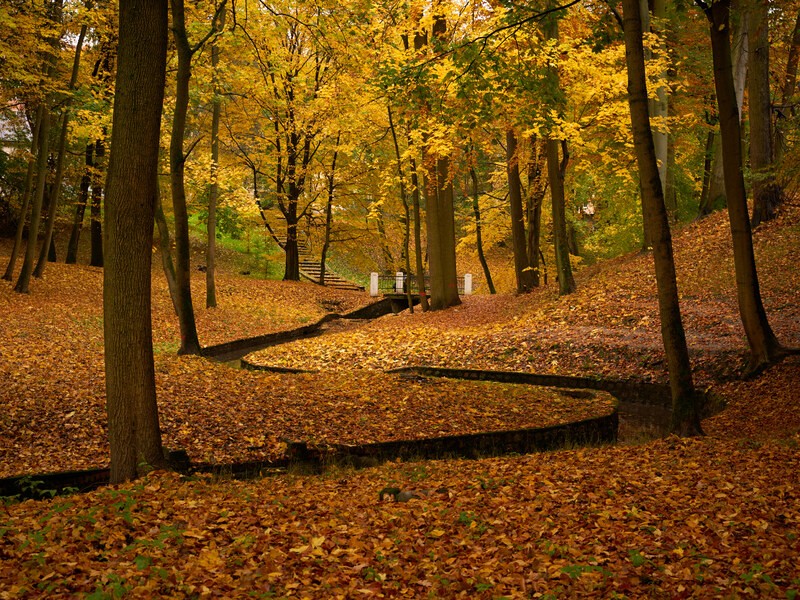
(633, 521)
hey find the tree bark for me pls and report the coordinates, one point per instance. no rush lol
(213, 193)
(331, 189)
(764, 346)
(420, 267)
(537, 188)
(23, 281)
(685, 409)
(62, 146)
(716, 197)
(190, 344)
(96, 226)
(130, 200)
(476, 210)
(767, 193)
(788, 91)
(522, 268)
(80, 208)
(26, 197)
(555, 171)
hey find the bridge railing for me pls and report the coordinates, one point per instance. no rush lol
(402, 283)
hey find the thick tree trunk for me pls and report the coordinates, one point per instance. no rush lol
(130, 200)
(522, 268)
(685, 409)
(764, 346)
(476, 210)
(716, 197)
(80, 208)
(26, 196)
(767, 193)
(190, 343)
(96, 226)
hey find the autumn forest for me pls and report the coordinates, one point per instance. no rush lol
(417, 299)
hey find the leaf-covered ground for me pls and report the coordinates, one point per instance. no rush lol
(673, 519)
(714, 517)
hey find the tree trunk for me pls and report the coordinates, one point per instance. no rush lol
(522, 268)
(660, 104)
(764, 346)
(165, 250)
(537, 188)
(788, 92)
(685, 409)
(555, 171)
(329, 211)
(190, 343)
(767, 194)
(62, 146)
(420, 267)
(96, 227)
(716, 198)
(707, 156)
(213, 193)
(476, 209)
(130, 200)
(80, 209)
(26, 197)
(406, 210)
(24, 279)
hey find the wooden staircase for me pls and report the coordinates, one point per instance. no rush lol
(310, 268)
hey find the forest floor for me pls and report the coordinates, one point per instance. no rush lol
(716, 516)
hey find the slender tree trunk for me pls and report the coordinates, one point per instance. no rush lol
(165, 250)
(213, 194)
(476, 209)
(556, 170)
(23, 281)
(26, 197)
(406, 209)
(132, 191)
(660, 104)
(96, 226)
(420, 267)
(788, 92)
(767, 193)
(80, 209)
(764, 346)
(329, 212)
(707, 156)
(716, 195)
(537, 187)
(386, 253)
(522, 268)
(190, 343)
(685, 409)
(62, 146)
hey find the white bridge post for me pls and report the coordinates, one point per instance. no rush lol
(467, 284)
(399, 279)
(373, 285)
